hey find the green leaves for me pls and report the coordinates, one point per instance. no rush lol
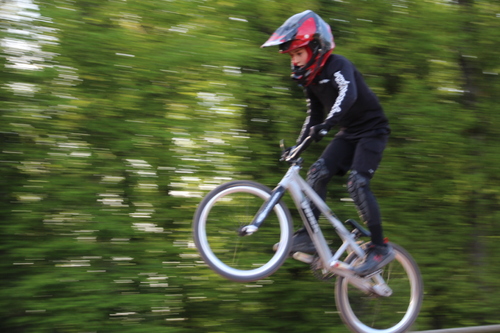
(118, 116)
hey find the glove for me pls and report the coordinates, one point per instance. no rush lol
(317, 132)
(286, 152)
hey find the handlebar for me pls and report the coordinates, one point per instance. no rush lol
(294, 154)
(297, 151)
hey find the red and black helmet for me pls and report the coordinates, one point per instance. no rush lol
(306, 29)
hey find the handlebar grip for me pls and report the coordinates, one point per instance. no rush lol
(294, 154)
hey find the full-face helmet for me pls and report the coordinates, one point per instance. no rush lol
(306, 29)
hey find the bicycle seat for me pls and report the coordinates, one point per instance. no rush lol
(356, 226)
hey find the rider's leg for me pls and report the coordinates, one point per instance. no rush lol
(335, 160)
(366, 160)
(358, 186)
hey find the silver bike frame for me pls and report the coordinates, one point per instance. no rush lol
(303, 195)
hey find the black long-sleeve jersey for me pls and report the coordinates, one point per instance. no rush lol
(340, 96)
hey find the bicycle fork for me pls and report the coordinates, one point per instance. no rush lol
(269, 204)
(263, 212)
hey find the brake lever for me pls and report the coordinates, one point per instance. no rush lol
(282, 146)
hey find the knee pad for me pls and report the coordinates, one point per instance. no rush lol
(358, 187)
(317, 172)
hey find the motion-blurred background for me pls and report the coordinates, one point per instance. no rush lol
(117, 116)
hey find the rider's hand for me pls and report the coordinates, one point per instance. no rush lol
(286, 152)
(317, 132)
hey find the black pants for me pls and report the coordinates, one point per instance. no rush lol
(362, 157)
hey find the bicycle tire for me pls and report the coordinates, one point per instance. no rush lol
(364, 313)
(216, 225)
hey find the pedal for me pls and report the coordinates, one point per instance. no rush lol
(304, 257)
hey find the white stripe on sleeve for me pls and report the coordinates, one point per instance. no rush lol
(343, 84)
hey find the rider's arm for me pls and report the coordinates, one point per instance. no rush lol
(344, 82)
(314, 115)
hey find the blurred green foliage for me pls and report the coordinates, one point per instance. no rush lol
(118, 116)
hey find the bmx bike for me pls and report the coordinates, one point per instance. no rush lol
(237, 223)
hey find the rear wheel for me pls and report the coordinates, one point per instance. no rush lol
(370, 313)
(218, 220)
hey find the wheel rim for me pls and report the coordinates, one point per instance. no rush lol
(241, 257)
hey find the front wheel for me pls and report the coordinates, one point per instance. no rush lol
(364, 313)
(218, 220)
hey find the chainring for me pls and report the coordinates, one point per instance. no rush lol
(318, 271)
